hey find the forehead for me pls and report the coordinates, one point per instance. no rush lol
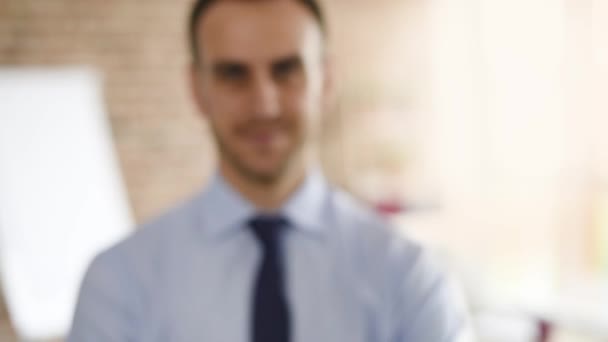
(257, 30)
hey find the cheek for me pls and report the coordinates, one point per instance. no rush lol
(303, 109)
(228, 128)
(293, 114)
(224, 111)
(224, 103)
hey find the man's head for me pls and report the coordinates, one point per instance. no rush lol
(259, 74)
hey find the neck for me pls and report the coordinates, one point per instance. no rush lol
(265, 196)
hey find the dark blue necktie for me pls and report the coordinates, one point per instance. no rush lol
(270, 315)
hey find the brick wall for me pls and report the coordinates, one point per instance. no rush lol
(139, 46)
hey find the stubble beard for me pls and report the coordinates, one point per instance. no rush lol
(265, 179)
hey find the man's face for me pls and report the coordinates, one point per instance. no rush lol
(261, 83)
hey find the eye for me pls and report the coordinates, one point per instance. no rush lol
(285, 69)
(231, 72)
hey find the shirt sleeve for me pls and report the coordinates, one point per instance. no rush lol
(431, 305)
(105, 310)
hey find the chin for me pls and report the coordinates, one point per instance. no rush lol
(267, 177)
(265, 168)
(270, 170)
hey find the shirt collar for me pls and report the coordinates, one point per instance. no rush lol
(224, 210)
(305, 208)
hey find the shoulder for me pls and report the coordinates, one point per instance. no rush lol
(363, 226)
(380, 250)
(400, 272)
(152, 240)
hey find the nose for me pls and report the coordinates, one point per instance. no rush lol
(265, 97)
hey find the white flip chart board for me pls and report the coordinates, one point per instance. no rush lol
(62, 199)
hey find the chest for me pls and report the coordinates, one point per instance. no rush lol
(208, 296)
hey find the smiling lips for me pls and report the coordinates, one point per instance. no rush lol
(262, 137)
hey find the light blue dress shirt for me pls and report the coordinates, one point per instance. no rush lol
(188, 276)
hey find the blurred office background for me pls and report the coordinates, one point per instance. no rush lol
(477, 126)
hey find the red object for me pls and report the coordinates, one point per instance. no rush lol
(390, 208)
(544, 331)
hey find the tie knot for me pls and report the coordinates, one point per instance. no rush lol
(267, 228)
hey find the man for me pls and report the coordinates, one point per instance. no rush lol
(269, 251)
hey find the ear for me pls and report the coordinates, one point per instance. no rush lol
(196, 88)
(329, 90)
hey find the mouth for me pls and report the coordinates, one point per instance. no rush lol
(262, 137)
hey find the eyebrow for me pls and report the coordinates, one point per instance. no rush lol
(287, 61)
(224, 65)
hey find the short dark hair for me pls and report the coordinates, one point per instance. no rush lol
(200, 6)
